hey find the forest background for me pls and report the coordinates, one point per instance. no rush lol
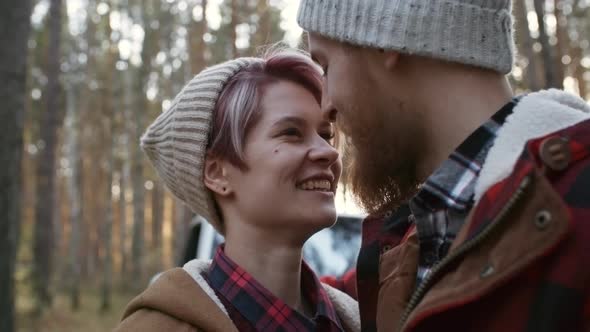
(86, 222)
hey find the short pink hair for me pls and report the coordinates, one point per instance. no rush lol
(239, 105)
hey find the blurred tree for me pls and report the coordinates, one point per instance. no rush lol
(78, 101)
(562, 46)
(107, 95)
(144, 11)
(51, 120)
(552, 78)
(195, 36)
(126, 185)
(262, 22)
(524, 43)
(75, 191)
(157, 214)
(183, 216)
(233, 28)
(265, 25)
(579, 27)
(14, 34)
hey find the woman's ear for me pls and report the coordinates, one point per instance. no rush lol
(215, 176)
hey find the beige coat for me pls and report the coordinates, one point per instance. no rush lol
(181, 300)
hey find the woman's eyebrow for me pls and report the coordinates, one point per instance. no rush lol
(290, 120)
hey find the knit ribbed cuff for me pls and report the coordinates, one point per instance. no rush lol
(472, 32)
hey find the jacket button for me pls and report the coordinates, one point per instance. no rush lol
(555, 153)
(542, 219)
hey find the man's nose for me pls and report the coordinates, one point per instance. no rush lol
(330, 112)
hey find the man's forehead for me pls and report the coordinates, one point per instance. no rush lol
(317, 45)
(316, 38)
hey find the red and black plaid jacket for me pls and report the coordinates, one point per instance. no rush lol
(531, 271)
(520, 263)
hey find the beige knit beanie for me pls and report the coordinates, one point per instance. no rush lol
(176, 142)
(473, 32)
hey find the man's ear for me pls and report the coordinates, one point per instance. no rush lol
(215, 176)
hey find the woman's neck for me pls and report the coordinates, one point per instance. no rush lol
(275, 266)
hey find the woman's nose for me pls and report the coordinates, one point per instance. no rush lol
(322, 151)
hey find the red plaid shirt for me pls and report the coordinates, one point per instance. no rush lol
(252, 307)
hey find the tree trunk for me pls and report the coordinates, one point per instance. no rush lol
(87, 134)
(14, 34)
(551, 76)
(108, 122)
(579, 70)
(263, 31)
(563, 41)
(75, 191)
(198, 47)
(107, 227)
(44, 211)
(233, 27)
(525, 43)
(137, 177)
(183, 216)
(107, 232)
(126, 182)
(157, 214)
(580, 17)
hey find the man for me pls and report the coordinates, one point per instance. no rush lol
(479, 200)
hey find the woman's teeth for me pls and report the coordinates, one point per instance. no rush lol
(321, 185)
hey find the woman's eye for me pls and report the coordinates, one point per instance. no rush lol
(325, 71)
(291, 132)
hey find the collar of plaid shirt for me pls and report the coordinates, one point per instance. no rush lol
(446, 198)
(254, 306)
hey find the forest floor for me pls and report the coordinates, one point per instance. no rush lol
(60, 318)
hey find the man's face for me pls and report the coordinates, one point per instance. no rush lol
(384, 133)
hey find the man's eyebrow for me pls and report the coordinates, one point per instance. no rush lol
(327, 124)
(314, 58)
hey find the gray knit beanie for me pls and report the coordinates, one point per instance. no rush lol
(472, 32)
(176, 142)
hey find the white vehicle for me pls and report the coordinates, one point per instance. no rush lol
(332, 251)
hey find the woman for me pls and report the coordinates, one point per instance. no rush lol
(246, 145)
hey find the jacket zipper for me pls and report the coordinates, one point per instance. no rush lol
(470, 244)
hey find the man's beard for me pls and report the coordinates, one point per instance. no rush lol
(381, 160)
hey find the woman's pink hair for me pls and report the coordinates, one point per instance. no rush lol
(239, 106)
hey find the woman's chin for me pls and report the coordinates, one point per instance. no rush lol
(322, 218)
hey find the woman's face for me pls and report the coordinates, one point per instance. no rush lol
(293, 169)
